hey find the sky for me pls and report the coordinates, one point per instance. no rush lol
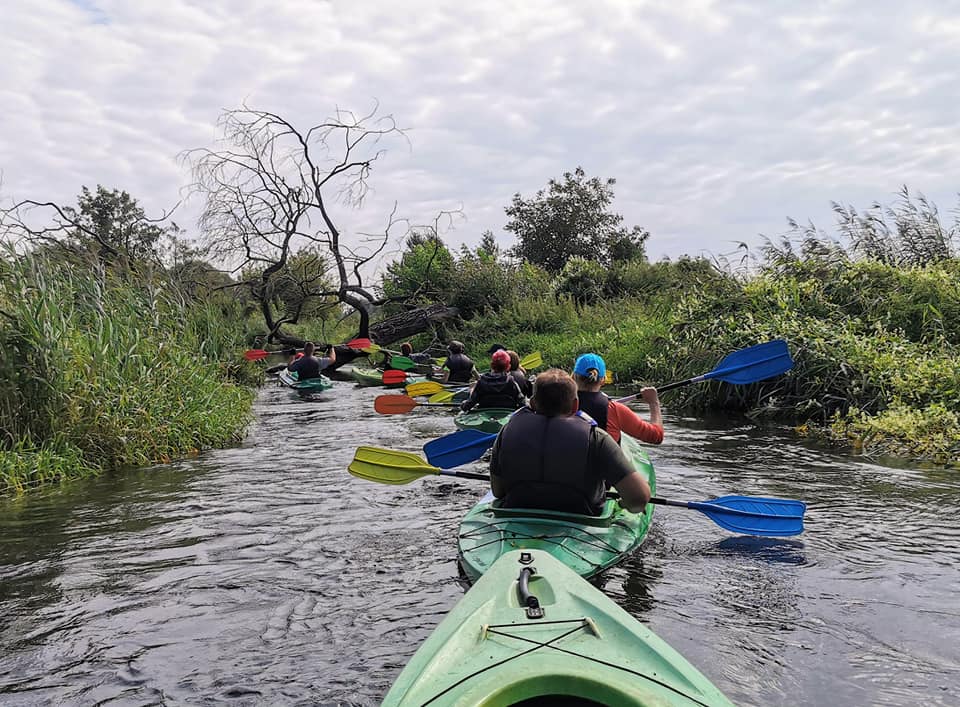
(717, 119)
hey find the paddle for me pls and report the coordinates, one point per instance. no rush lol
(531, 361)
(424, 388)
(387, 466)
(748, 515)
(749, 365)
(392, 377)
(402, 363)
(400, 404)
(260, 354)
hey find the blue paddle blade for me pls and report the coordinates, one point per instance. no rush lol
(752, 515)
(458, 448)
(753, 364)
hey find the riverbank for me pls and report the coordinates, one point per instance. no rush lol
(101, 371)
(876, 347)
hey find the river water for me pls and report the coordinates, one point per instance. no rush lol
(266, 574)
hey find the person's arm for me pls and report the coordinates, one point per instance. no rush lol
(330, 358)
(497, 485)
(474, 374)
(652, 398)
(470, 402)
(627, 421)
(618, 470)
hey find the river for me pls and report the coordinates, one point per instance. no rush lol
(266, 574)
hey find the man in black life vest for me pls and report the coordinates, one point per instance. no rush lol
(550, 457)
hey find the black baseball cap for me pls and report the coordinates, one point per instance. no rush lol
(496, 347)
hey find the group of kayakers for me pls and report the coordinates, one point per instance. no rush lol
(560, 450)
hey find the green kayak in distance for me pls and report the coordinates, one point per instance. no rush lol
(483, 419)
(312, 385)
(586, 544)
(370, 377)
(532, 632)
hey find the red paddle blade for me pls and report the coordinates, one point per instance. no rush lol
(393, 376)
(393, 404)
(255, 354)
(358, 344)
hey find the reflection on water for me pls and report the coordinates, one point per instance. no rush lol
(265, 574)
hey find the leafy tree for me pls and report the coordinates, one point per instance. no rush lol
(426, 272)
(572, 218)
(107, 226)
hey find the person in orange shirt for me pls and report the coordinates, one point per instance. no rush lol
(589, 372)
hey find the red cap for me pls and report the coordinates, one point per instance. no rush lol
(500, 359)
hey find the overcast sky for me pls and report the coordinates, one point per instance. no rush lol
(718, 119)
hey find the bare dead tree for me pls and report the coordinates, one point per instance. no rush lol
(272, 191)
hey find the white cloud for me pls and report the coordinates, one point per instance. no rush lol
(718, 119)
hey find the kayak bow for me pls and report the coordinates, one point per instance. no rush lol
(531, 632)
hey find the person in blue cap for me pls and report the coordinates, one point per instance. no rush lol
(589, 372)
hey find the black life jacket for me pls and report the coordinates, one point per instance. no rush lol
(498, 390)
(460, 366)
(544, 462)
(596, 405)
(526, 387)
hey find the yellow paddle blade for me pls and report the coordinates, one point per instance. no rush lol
(423, 388)
(387, 466)
(444, 396)
(608, 379)
(531, 361)
(441, 361)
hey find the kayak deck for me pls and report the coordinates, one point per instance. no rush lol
(483, 419)
(586, 544)
(315, 385)
(574, 646)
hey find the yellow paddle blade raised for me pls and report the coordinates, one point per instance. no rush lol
(444, 396)
(424, 388)
(387, 466)
(531, 361)
(608, 378)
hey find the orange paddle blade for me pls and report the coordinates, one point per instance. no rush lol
(394, 376)
(256, 354)
(394, 404)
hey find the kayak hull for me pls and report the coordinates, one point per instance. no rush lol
(492, 651)
(483, 419)
(311, 385)
(370, 377)
(586, 544)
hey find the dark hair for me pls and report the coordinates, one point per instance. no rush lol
(455, 347)
(308, 348)
(514, 360)
(405, 348)
(554, 393)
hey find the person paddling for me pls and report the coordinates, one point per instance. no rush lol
(519, 375)
(589, 372)
(406, 349)
(459, 367)
(497, 388)
(309, 366)
(548, 456)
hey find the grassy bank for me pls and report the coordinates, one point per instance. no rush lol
(100, 371)
(876, 346)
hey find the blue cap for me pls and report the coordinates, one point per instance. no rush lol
(587, 361)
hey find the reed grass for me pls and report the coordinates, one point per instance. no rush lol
(100, 373)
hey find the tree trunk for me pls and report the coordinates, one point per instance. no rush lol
(406, 324)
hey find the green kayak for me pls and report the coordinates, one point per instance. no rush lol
(586, 544)
(313, 385)
(483, 419)
(373, 376)
(531, 632)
